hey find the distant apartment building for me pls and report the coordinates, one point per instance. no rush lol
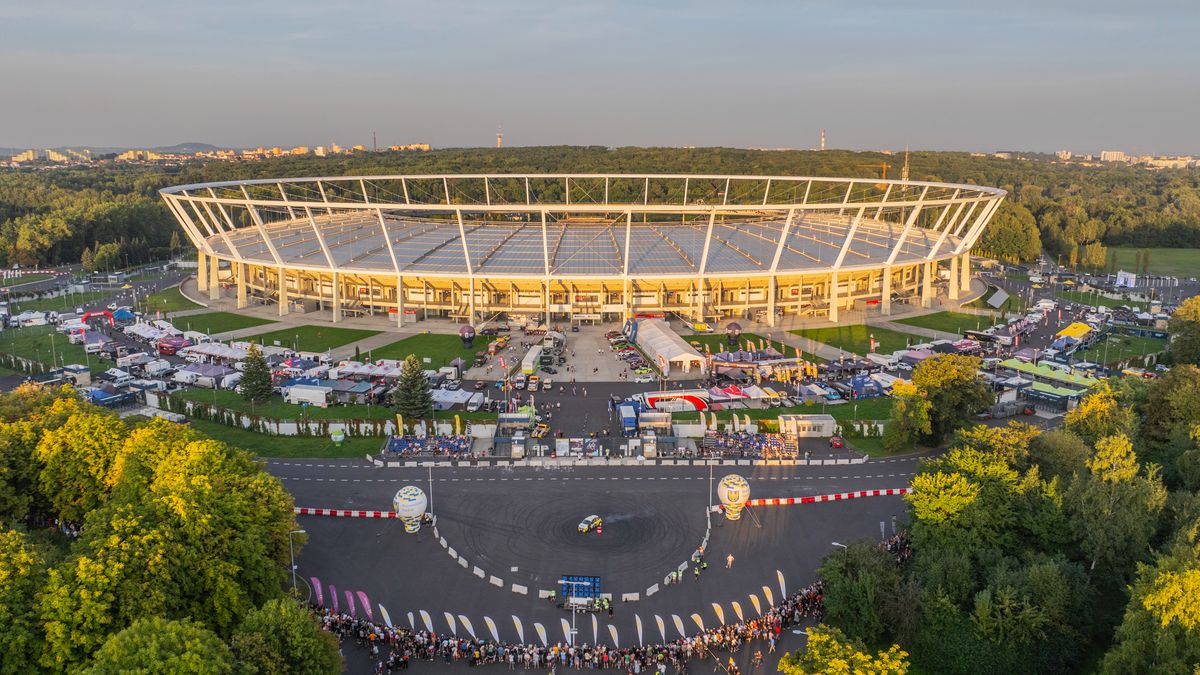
(411, 147)
(27, 156)
(139, 156)
(1113, 156)
(299, 150)
(1064, 155)
(1180, 162)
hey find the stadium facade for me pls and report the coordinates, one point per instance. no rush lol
(583, 248)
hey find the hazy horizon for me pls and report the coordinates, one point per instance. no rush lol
(966, 76)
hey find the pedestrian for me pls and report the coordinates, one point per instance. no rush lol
(696, 573)
(729, 561)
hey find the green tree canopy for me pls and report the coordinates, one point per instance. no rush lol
(256, 385)
(283, 637)
(412, 398)
(156, 645)
(830, 652)
(1184, 330)
(951, 384)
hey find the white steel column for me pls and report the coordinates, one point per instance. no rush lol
(201, 271)
(772, 289)
(241, 270)
(337, 298)
(471, 302)
(927, 283)
(283, 297)
(214, 278)
(964, 269)
(952, 287)
(399, 301)
(885, 295)
(712, 218)
(833, 297)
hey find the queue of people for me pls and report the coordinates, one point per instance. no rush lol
(395, 648)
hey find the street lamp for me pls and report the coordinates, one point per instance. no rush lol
(834, 543)
(292, 555)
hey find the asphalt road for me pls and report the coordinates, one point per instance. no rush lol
(519, 525)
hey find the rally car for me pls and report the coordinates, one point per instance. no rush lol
(590, 523)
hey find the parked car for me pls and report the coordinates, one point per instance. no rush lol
(837, 442)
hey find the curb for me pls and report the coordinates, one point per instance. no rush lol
(616, 461)
(840, 496)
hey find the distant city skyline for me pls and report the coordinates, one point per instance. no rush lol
(1079, 76)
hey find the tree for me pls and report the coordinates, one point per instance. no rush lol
(857, 581)
(910, 417)
(829, 652)
(1184, 329)
(1010, 442)
(951, 384)
(412, 398)
(1059, 453)
(88, 261)
(1100, 414)
(175, 245)
(1012, 235)
(22, 576)
(76, 459)
(157, 645)
(1160, 632)
(283, 637)
(1115, 506)
(256, 385)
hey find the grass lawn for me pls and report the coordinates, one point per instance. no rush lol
(719, 342)
(166, 300)
(856, 338)
(65, 303)
(1180, 262)
(278, 409)
(439, 348)
(1014, 303)
(218, 322)
(288, 446)
(25, 279)
(949, 322)
(42, 343)
(1093, 299)
(313, 338)
(871, 446)
(1117, 348)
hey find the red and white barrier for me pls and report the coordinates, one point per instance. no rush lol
(790, 501)
(342, 513)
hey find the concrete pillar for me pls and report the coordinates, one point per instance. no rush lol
(241, 270)
(214, 278)
(283, 296)
(927, 284)
(627, 299)
(201, 271)
(833, 297)
(771, 292)
(952, 287)
(337, 298)
(399, 302)
(546, 300)
(885, 295)
(471, 303)
(965, 269)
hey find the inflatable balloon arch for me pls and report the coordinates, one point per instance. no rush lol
(410, 503)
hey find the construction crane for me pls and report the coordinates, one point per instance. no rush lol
(883, 171)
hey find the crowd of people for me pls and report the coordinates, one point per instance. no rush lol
(745, 445)
(394, 649)
(410, 446)
(899, 546)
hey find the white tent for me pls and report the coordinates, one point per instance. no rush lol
(665, 348)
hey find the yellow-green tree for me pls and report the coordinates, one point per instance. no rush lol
(1185, 332)
(22, 576)
(1100, 414)
(910, 417)
(951, 385)
(830, 652)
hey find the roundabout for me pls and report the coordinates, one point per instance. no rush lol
(517, 531)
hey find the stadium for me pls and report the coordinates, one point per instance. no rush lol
(582, 248)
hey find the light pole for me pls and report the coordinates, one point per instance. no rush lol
(431, 488)
(574, 606)
(292, 555)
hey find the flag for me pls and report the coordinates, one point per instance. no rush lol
(333, 597)
(387, 620)
(316, 586)
(366, 605)
(350, 603)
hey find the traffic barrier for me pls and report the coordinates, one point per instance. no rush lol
(789, 501)
(342, 513)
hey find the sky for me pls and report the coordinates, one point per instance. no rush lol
(1083, 75)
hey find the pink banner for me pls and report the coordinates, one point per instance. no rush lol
(333, 597)
(366, 605)
(318, 591)
(350, 603)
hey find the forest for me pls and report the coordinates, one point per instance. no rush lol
(1070, 211)
(1075, 549)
